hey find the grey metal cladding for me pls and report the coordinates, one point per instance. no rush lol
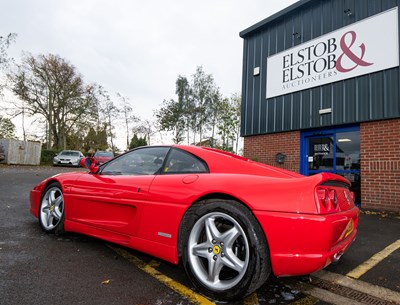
(364, 98)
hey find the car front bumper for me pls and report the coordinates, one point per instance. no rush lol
(34, 197)
(66, 162)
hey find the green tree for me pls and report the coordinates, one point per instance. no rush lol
(202, 89)
(137, 142)
(229, 122)
(216, 107)
(96, 139)
(174, 115)
(187, 106)
(199, 109)
(7, 128)
(53, 89)
(170, 118)
(236, 102)
(191, 111)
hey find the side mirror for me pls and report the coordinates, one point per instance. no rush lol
(90, 164)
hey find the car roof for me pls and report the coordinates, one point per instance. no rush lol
(220, 161)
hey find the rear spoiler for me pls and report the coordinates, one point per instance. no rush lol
(333, 180)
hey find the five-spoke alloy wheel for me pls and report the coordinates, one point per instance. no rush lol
(51, 210)
(224, 249)
(218, 251)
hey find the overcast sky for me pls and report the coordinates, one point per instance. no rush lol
(138, 48)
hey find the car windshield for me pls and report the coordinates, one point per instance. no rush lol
(143, 161)
(70, 153)
(104, 154)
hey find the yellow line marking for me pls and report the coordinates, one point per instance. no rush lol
(252, 299)
(154, 264)
(373, 261)
(174, 285)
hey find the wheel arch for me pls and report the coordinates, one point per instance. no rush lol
(44, 187)
(45, 184)
(204, 198)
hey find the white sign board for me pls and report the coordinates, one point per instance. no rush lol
(363, 47)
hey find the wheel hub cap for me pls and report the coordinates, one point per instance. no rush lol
(216, 250)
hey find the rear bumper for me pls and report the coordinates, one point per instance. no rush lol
(302, 243)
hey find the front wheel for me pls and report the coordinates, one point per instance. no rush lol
(51, 210)
(224, 252)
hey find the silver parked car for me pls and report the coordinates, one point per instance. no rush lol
(68, 158)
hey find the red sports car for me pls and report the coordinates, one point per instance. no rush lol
(231, 221)
(101, 157)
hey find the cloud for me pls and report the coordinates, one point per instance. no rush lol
(138, 48)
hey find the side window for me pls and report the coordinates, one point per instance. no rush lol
(179, 162)
(142, 161)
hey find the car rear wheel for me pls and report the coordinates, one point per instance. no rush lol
(224, 251)
(51, 210)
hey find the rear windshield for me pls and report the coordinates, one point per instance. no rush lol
(104, 154)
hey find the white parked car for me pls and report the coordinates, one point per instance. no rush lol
(68, 158)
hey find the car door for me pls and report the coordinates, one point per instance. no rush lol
(179, 183)
(113, 198)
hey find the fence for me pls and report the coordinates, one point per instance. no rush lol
(20, 152)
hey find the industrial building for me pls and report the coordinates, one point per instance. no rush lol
(320, 93)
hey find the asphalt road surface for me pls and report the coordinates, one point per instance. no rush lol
(37, 268)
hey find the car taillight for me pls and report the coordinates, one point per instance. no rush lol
(323, 197)
(353, 196)
(327, 198)
(333, 198)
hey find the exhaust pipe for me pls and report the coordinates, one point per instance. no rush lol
(337, 256)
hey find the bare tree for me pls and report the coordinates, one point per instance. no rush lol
(51, 87)
(108, 113)
(145, 128)
(4, 59)
(4, 44)
(128, 116)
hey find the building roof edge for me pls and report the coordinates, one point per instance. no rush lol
(271, 18)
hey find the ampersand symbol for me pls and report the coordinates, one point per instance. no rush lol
(353, 57)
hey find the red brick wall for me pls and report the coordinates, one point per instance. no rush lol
(380, 164)
(263, 148)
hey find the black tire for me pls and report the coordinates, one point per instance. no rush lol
(51, 209)
(234, 251)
